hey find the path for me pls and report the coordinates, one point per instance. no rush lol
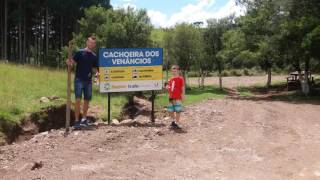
(233, 82)
(225, 140)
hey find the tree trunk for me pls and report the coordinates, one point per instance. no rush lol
(304, 82)
(185, 77)
(220, 75)
(199, 78)
(269, 77)
(61, 39)
(20, 32)
(5, 29)
(25, 35)
(46, 32)
(202, 78)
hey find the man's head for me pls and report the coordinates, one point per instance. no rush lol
(175, 69)
(91, 42)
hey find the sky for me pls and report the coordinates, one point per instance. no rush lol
(167, 13)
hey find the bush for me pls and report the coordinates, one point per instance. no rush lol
(235, 72)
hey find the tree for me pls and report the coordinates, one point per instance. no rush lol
(125, 28)
(5, 29)
(185, 47)
(213, 37)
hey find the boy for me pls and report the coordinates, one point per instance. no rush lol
(176, 95)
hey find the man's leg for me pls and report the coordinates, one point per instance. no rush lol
(87, 93)
(85, 109)
(78, 86)
(77, 109)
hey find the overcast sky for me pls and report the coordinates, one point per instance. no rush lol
(166, 13)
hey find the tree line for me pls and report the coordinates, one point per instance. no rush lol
(35, 31)
(273, 34)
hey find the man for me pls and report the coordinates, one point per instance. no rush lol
(176, 95)
(86, 61)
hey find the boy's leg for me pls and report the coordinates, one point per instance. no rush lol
(170, 109)
(178, 117)
(178, 109)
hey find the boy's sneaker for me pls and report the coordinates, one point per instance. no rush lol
(85, 122)
(174, 125)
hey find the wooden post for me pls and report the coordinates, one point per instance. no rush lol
(152, 107)
(109, 109)
(68, 109)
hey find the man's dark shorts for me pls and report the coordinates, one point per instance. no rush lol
(83, 87)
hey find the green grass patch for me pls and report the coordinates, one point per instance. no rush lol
(244, 91)
(193, 95)
(297, 96)
(23, 86)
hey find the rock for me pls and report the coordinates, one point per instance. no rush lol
(142, 119)
(2, 139)
(144, 104)
(101, 123)
(166, 118)
(37, 165)
(115, 122)
(44, 133)
(127, 121)
(61, 133)
(44, 100)
(52, 98)
(25, 166)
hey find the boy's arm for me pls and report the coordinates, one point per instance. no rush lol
(183, 90)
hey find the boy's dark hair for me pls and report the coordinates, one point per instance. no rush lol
(92, 37)
(176, 66)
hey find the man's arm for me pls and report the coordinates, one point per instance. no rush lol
(72, 61)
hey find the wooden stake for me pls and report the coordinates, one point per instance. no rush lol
(68, 110)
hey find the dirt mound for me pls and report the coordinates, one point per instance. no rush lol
(139, 106)
(45, 120)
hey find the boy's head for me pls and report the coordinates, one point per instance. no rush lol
(175, 69)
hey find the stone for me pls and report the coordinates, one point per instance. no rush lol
(166, 118)
(44, 100)
(101, 123)
(44, 133)
(115, 122)
(142, 119)
(127, 121)
(52, 98)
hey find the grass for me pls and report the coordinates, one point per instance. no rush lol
(280, 86)
(194, 95)
(22, 87)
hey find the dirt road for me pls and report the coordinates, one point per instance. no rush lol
(224, 140)
(232, 82)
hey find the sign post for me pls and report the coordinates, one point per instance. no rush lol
(109, 109)
(129, 70)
